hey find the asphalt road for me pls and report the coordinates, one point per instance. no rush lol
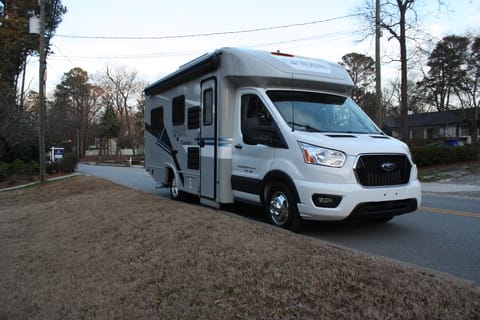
(443, 235)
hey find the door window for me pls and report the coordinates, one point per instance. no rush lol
(208, 107)
(257, 124)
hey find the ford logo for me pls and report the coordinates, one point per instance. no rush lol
(388, 166)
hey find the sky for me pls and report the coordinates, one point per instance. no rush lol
(155, 37)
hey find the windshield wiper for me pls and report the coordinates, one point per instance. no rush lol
(306, 126)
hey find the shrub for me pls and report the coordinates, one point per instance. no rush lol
(17, 167)
(68, 163)
(4, 171)
(50, 167)
(440, 155)
(32, 168)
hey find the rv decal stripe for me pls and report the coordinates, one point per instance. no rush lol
(221, 142)
(163, 141)
(225, 142)
(164, 147)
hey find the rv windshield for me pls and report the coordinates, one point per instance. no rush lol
(319, 112)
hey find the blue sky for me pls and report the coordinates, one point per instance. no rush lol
(153, 58)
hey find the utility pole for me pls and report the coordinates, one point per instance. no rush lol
(41, 94)
(378, 74)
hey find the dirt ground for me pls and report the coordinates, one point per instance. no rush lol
(85, 248)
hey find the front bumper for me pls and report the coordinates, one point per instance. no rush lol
(357, 200)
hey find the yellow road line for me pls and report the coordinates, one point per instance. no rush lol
(455, 212)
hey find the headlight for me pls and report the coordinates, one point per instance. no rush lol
(323, 156)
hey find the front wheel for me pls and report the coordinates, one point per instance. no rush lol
(281, 207)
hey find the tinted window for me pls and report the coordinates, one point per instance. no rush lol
(178, 110)
(320, 112)
(208, 107)
(156, 119)
(257, 124)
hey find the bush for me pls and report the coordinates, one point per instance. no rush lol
(441, 155)
(32, 168)
(51, 167)
(68, 163)
(11, 172)
(17, 167)
(65, 165)
(4, 171)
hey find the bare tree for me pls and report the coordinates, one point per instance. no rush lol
(75, 108)
(399, 18)
(122, 89)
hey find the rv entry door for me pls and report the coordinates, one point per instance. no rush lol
(208, 139)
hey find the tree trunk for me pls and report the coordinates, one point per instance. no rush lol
(475, 127)
(403, 85)
(127, 121)
(129, 131)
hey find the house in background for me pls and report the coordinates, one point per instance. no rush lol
(452, 127)
(111, 149)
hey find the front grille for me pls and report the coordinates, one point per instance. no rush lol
(383, 170)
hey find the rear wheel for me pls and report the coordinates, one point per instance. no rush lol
(175, 193)
(281, 207)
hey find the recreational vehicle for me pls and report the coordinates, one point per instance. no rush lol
(276, 130)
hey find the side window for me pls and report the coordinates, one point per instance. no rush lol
(178, 110)
(156, 120)
(208, 107)
(257, 124)
(253, 108)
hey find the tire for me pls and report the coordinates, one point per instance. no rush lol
(175, 193)
(281, 207)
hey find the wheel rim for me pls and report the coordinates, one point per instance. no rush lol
(174, 189)
(278, 208)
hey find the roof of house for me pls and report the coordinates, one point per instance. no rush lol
(429, 119)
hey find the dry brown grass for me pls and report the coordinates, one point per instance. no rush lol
(86, 248)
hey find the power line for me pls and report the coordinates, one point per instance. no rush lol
(72, 36)
(63, 54)
(156, 55)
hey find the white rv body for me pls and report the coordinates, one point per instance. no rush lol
(244, 125)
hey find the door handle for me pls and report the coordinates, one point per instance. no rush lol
(201, 142)
(238, 146)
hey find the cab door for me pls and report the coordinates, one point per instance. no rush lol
(254, 145)
(208, 139)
